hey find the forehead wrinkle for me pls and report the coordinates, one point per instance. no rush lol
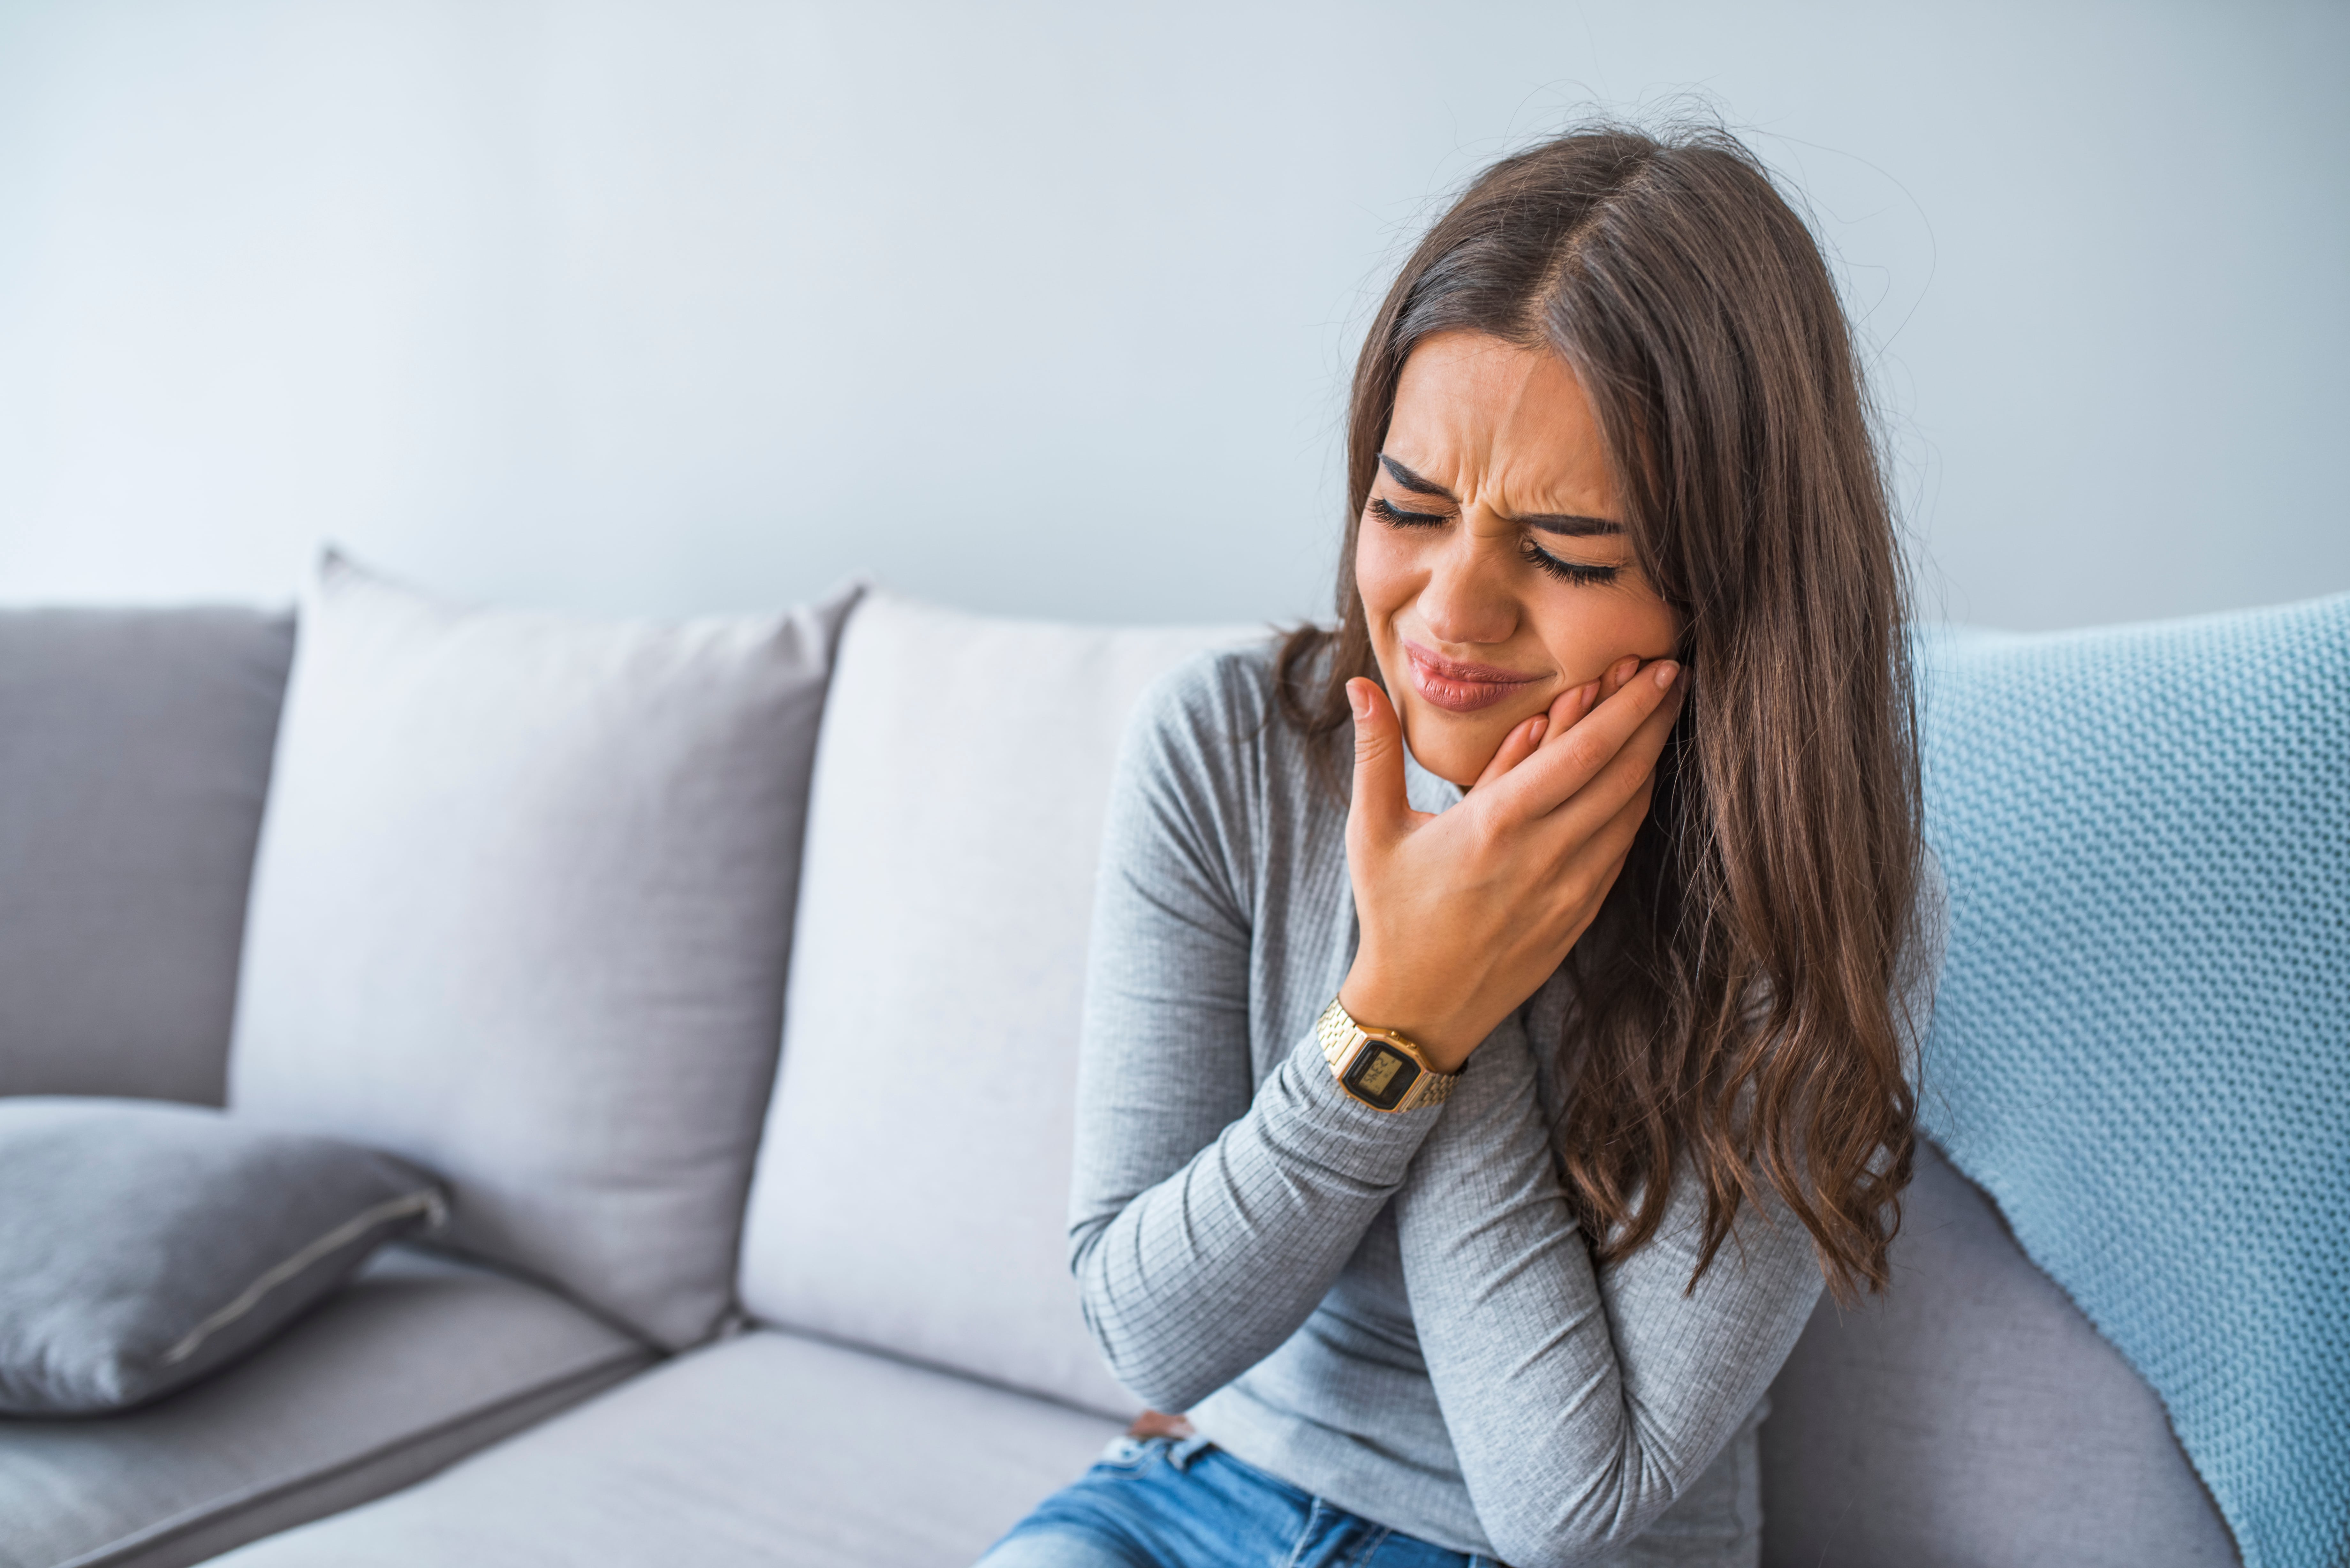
(1531, 468)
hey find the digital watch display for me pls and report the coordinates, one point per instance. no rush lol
(1381, 1068)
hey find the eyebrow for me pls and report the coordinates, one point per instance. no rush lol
(1568, 524)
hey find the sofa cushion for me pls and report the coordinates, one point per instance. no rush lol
(913, 1184)
(1970, 1416)
(421, 1360)
(137, 754)
(521, 914)
(144, 1245)
(766, 1450)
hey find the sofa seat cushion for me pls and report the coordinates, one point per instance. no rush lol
(1970, 1416)
(768, 1448)
(420, 1360)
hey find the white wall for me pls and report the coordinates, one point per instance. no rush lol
(680, 305)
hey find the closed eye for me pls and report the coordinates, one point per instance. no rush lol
(1543, 561)
(1534, 556)
(1388, 512)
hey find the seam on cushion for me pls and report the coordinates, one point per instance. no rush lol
(434, 1244)
(202, 1513)
(792, 1330)
(428, 1202)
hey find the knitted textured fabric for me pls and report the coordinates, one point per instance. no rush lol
(2141, 1045)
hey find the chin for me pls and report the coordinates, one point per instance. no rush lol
(1452, 748)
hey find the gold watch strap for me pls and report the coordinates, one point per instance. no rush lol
(1342, 1039)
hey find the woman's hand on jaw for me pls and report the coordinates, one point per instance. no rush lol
(1464, 914)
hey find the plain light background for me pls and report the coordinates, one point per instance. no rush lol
(674, 306)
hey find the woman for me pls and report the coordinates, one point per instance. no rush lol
(1494, 1256)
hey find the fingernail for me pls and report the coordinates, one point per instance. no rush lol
(1665, 670)
(1625, 669)
(1359, 700)
(1534, 728)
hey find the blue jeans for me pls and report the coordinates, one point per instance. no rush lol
(1156, 1503)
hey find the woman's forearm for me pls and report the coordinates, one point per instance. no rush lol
(1209, 1214)
(1581, 1402)
(1194, 1280)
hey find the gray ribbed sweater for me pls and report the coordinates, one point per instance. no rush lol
(1394, 1311)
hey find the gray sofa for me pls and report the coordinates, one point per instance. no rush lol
(892, 1369)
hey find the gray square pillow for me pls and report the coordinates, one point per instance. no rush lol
(134, 762)
(144, 1244)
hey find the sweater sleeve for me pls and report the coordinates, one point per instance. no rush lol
(1208, 1213)
(1582, 1402)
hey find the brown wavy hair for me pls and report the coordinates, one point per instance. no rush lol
(1741, 991)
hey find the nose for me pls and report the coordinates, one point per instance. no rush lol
(1467, 597)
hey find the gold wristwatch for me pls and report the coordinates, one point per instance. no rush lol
(1383, 1069)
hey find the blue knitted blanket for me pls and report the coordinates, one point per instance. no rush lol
(2141, 1046)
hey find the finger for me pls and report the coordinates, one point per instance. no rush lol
(1613, 841)
(1516, 747)
(1624, 775)
(1589, 872)
(1378, 806)
(1572, 707)
(1574, 759)
(1568, 711)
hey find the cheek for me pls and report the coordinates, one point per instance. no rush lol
(1588, 630)
(1384, 572)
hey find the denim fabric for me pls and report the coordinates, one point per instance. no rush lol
(1160, 1503)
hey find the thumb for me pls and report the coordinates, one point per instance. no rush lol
(1378, 806)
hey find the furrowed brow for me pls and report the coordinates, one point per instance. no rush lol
(1413, 482)
(1568, 524)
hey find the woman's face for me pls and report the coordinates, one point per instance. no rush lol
(1493, 567)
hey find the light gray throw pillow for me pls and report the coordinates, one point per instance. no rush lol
(913, 1186)
(144, 1244)
(521, 914)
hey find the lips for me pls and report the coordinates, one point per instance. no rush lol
(1462, 688)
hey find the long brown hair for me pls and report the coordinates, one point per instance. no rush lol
(1740, 994)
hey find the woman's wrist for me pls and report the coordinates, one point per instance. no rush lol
(1448, 1040)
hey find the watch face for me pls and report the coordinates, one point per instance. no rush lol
(1381, 1076)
